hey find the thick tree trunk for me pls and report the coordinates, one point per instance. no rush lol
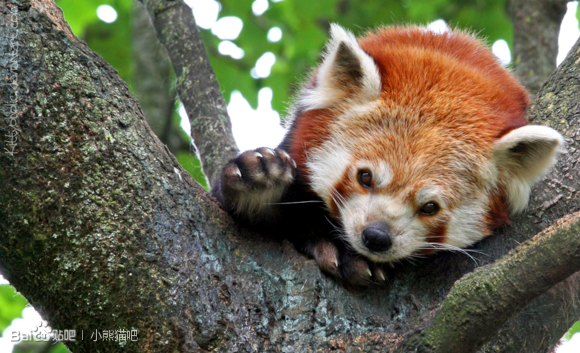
(101, 229)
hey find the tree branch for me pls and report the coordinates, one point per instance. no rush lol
(483, 300)
(152, 72)
(197, 86)
(536, 26)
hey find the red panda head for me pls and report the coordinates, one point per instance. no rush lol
(417, 141)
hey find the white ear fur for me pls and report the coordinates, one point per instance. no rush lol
(523, 156)
(345, 70)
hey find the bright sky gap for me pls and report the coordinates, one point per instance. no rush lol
(106, 13)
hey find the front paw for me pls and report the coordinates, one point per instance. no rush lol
(256, 179)
(348, 268)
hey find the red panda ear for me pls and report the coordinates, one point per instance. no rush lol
(346, 72)
(522, 156)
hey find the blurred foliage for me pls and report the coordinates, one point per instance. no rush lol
(192, 165)
(305, 24)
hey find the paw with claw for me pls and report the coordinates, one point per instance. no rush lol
(350, 269)
(255, 180)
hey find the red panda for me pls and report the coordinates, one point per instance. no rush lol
(401, 143)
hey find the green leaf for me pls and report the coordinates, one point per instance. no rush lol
(11, 305)
(190, 162)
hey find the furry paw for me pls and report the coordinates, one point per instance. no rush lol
(256, 179)
(352, 270)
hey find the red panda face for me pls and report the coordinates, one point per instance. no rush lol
(426, 189)
(417, 141)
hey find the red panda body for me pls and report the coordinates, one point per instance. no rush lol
(407, 141)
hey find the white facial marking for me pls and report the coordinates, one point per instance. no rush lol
(381, 172)
(431, 193)
(465, 226)
(327, 165)
(384, 174)
(409, 235)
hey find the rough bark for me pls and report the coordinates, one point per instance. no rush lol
(536, 25)
(101, 229)
(196, 84)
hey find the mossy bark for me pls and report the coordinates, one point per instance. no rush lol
(101, 229)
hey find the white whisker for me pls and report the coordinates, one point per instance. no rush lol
(337, 198)
(293, 203)
(443, 246)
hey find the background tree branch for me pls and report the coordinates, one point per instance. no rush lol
(536, 25)
(100, 228)
(152, 80)
(197, 86)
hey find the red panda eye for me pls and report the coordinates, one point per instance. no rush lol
(365, 178)
(429, 209)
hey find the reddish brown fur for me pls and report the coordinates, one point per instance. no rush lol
(311, 130)
(437, 89)
(345, 188)
(437, 232)
(498, 214)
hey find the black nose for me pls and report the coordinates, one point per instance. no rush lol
(377, 237)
